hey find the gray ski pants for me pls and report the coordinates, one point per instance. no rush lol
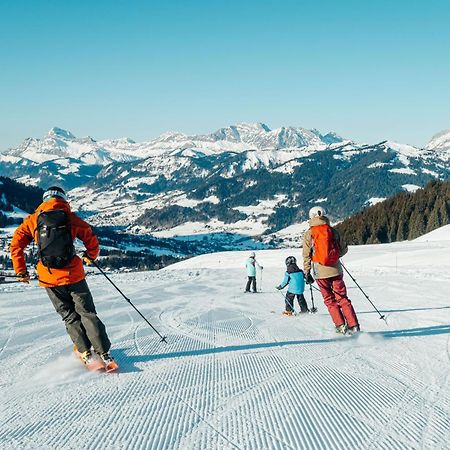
(74, 303)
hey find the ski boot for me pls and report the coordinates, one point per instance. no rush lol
(86, 357)
(342, 329)
(288, 313)
(353, 330)
(109, 362)
(89, 360)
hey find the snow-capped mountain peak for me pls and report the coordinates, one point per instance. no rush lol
(60, 133)
(258, 126)
(440, 141)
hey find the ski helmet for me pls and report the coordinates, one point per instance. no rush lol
(54, 191)
(252, 255)
(290, 260)
(316, 211)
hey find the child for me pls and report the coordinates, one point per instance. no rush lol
(295, 279)
(251, 265)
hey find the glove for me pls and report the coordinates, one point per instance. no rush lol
(24, 277)
(308, 278)
(86, 259)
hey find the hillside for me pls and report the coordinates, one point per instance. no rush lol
(17, 199)
(235, 374)
(118, 251)
(404, 216)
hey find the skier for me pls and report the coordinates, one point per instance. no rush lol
(251, 265)
(293, 277)
(54, 227)
(322, 248)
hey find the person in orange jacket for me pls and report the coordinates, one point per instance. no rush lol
(323, 247)
(54, 227)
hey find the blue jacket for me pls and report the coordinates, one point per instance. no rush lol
(295, 280)
(251, 265)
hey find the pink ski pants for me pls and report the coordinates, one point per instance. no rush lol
(334, 294)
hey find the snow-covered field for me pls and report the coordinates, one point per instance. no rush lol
(235, 373)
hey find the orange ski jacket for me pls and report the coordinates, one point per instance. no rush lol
(27, 232)
(320, 271)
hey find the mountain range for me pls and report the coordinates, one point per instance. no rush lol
(239, 181)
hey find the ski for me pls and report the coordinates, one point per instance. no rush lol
(111, 367)
(297, 314)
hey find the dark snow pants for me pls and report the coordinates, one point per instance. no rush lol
(75, 305)
(289, 300)
(251, 281)
(334, 294)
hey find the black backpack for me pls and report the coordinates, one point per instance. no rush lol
(55, 243)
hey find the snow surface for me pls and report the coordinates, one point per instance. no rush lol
(235, 373)
(410, 187)
(440, 234)
(406, 171)
(376, 165)
(374, 200)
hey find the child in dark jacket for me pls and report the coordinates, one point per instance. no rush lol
(293, 277)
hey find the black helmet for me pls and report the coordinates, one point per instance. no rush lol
(290, 260)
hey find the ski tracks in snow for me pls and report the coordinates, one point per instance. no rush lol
(232, 375)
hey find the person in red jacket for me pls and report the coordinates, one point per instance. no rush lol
(54, 227)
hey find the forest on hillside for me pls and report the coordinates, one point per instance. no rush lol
(404, 216)
(20, 195)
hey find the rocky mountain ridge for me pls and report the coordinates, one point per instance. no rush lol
(245, 179)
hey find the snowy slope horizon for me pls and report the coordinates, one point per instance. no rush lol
(244, 179)
(235, 373)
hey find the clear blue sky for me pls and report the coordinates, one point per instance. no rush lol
(367, 69)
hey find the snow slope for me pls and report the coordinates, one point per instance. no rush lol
(235, 374)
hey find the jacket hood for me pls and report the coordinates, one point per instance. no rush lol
(54, 204)
(320, 220)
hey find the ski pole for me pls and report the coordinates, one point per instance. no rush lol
(286, 299)
(313, 309)
(163, 338)
(365, 295)
(260, 282)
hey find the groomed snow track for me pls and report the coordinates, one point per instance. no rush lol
(233, 375)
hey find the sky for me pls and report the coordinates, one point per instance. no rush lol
(368, 70)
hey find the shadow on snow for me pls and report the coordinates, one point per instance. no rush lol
(127, 362)
(404, 310)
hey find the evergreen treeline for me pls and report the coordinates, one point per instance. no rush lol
(14, 193)
(403, 216)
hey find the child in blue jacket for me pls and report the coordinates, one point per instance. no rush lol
(293, 277)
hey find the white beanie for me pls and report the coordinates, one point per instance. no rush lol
(316, 211)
